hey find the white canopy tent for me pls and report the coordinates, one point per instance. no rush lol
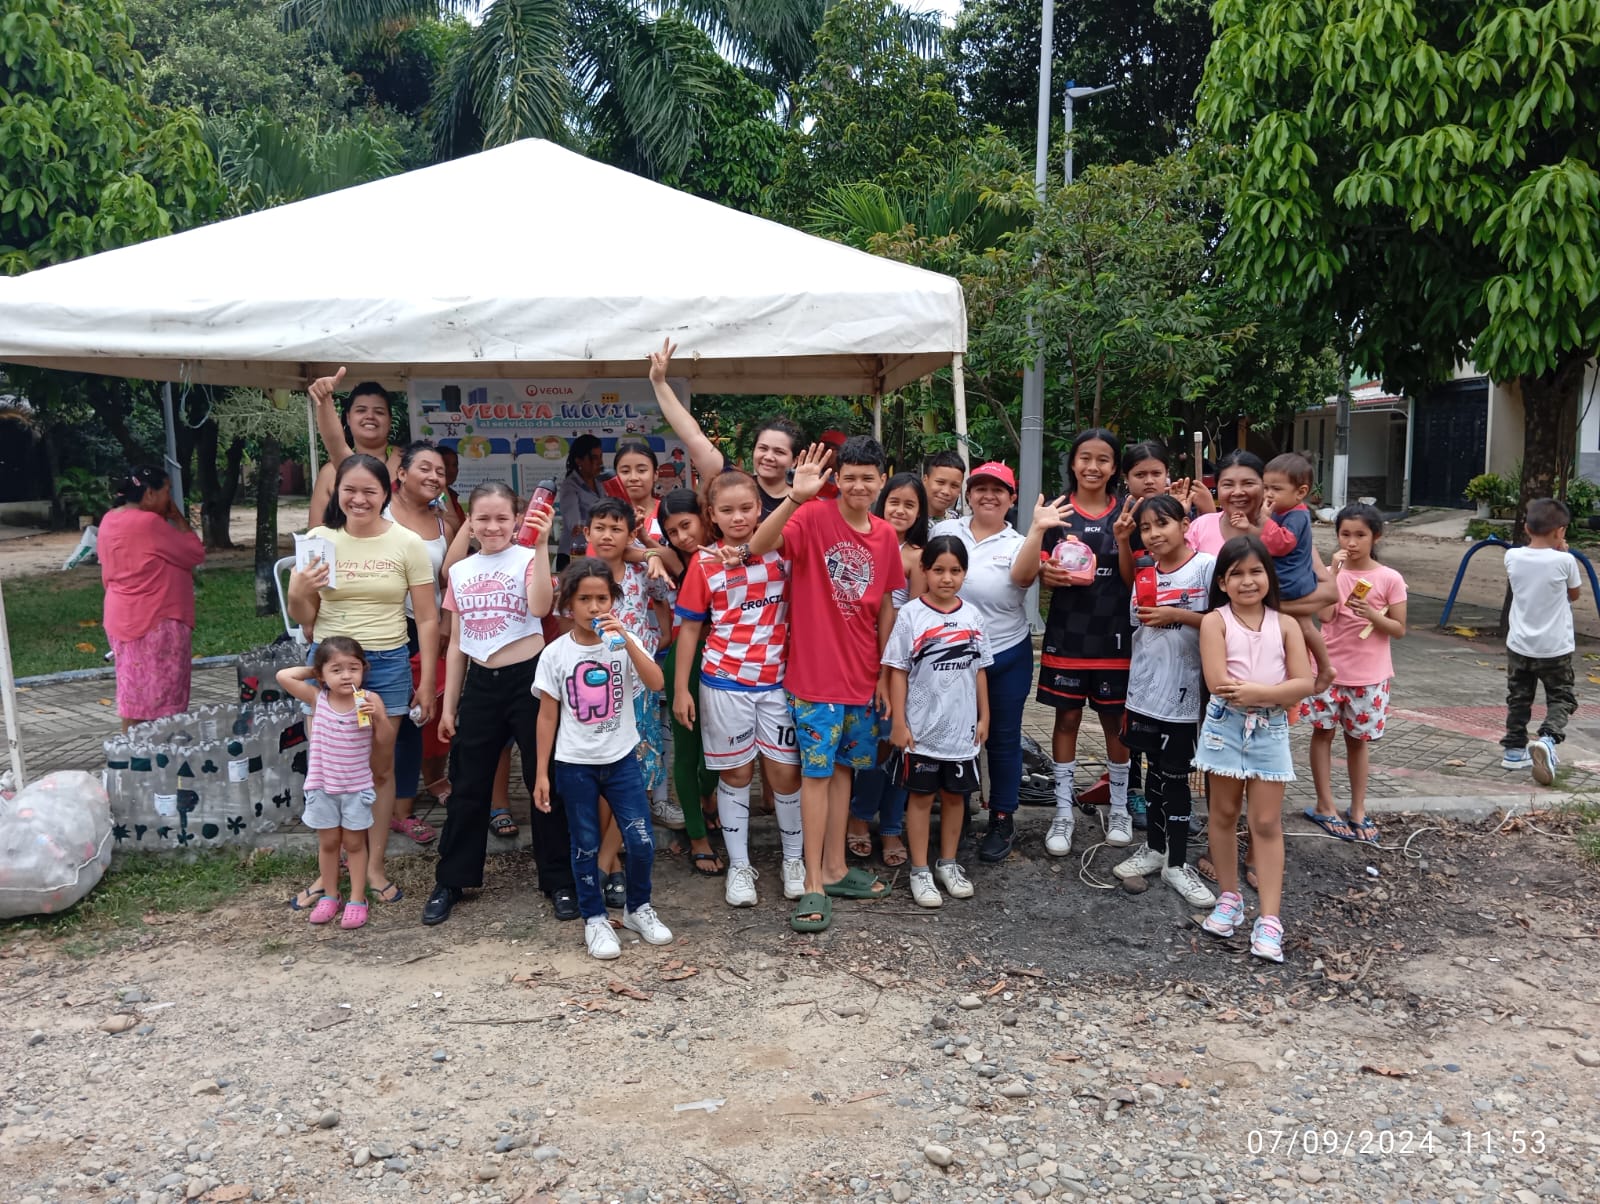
(519, 262)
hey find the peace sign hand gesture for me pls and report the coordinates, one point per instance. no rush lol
(810, 475)
(660, 361)
(322, 388)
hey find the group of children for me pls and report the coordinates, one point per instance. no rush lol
(824, 632)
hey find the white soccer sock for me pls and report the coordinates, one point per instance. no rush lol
(787, 809)
(1119, 785)
(733, 813)
(1064, 794)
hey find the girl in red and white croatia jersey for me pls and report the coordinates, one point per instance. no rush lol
(742, 712)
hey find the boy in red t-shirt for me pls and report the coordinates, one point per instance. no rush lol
(845, 567)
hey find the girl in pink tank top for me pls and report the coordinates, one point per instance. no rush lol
(1255, 666)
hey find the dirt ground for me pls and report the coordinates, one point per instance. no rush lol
(1431, 1036)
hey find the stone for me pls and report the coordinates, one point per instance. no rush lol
(969, 1003)
(1587, 1057)
(204, 1087)
(328, 1120)
(939, 1155)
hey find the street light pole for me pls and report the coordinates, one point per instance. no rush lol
(1031, 431)
(1076, 93)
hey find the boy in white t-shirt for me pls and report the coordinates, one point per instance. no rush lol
(1539, 640)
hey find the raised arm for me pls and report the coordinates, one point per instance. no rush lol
(328, 424)
(703, 454)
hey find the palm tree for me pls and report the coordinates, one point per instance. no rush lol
(566, 70)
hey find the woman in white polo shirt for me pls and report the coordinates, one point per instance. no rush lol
(1002, 565)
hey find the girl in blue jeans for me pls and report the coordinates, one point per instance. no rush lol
(588, 680)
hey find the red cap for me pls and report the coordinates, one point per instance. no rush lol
(995, 471)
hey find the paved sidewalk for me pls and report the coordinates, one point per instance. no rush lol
(1441, 752)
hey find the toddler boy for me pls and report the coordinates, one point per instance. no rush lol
(1540, 640)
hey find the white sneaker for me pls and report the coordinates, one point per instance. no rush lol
(648, 925)
(1119, 829)
(1058, 840)
(667, 813)
(1141, 865)
(741, 891)
(1193, 888)
(1545, 761)
(954, 880)
(600, 939)
(794, 877)
(923, 891)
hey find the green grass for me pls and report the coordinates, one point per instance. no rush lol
(140, 884)
(50, 616)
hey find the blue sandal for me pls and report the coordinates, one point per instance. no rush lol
(1333, 825)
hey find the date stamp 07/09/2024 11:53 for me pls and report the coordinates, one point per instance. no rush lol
(1395, 1143)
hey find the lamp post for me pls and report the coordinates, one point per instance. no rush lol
(1031, 430)
(1076, 93)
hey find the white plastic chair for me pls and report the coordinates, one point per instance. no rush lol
(280, 574)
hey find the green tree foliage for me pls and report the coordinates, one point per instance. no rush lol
(1153, 50)
(557, 69)
(223, 57)
(872, 110)
(87, 162)
(741, 147)
(1425, 175)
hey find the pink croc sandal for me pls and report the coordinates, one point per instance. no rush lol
(413, 827)
(355, 915)
(327, 907)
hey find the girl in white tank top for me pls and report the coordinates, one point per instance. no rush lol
(1255, 667)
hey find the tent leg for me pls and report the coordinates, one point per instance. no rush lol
(174, 471)
(959, 380)
(311, 437)
(877, 417)
(8, 694)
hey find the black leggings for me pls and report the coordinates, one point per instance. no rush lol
(497, 705)
(1166, 790)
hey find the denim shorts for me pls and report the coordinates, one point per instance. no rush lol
(1251, 745)
(388, 676)
(352, 812)
(834, 733)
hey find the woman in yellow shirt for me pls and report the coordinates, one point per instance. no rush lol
(377, 565)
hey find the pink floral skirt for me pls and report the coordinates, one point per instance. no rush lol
(153, 672)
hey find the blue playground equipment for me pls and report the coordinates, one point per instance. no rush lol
(1444, 617)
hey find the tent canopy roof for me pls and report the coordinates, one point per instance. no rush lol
(525, 261)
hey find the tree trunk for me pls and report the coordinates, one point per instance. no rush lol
(267, 526)
(1549, 434)
(217, 491)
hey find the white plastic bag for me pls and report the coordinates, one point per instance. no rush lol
(84, 552)
(55, 843)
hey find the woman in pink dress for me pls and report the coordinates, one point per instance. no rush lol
(147, 557)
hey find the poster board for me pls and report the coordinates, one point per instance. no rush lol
(519, 431)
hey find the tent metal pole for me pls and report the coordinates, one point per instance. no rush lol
(959, 382)
(174, 471)
(311, 438)
(8, 694)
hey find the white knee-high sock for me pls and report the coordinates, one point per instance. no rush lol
(733, 812)
(1064, 793)
(787, 809)
(1118, 773)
